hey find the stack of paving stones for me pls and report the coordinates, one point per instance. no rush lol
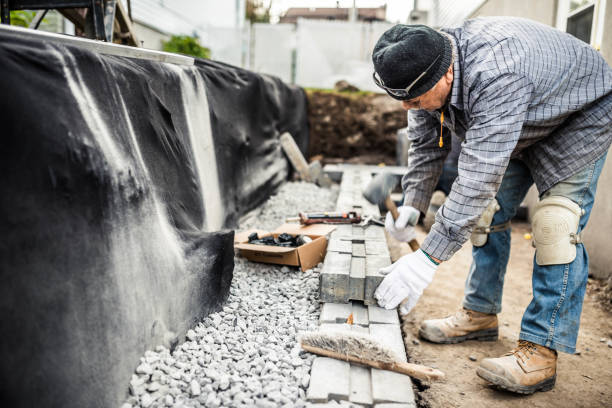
(355, 253)
(347, 283)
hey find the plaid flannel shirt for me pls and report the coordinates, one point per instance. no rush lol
(520, 90)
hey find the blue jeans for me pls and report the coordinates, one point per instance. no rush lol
(553, 316)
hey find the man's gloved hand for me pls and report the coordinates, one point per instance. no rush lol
(406, 279)
(401, 229)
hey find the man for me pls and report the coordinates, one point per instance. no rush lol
(531, 104)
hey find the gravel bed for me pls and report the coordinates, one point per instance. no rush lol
(247, 354)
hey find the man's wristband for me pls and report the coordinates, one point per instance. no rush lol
(430, 258)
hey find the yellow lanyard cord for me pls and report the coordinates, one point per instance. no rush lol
(441, 142)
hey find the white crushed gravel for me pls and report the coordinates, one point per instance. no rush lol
(246, 355)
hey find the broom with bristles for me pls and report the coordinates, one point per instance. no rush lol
(364, 350)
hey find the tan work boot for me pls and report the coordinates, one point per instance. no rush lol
(464, 325)
(525, 370)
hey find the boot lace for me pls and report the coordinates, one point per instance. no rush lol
(459, 315)
(524, 350)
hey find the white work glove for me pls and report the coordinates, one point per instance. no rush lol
(400, 229)
(406, 279)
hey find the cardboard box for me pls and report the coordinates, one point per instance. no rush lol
(305, 256)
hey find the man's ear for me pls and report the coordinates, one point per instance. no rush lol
(449, 75)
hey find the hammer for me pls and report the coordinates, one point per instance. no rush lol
(378, 192)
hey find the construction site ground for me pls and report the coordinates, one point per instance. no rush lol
(353, 127)
(583, 380)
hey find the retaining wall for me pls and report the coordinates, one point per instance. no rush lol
(122, 177)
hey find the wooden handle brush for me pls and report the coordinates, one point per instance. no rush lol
(364, 350)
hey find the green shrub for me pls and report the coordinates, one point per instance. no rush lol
(184, 44)
(22, 18)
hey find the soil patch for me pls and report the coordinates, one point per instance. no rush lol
(353, 127)
(601, 291)
(583, 380)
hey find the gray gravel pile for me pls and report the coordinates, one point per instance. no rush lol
(247, 354)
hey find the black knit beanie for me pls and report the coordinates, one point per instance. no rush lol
(403, 52)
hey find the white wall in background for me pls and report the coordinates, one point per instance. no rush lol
(313, 53)
(329, 51)
(272, 47)
(450, 13)
(228, 44)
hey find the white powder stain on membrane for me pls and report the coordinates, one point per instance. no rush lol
(90, 111)
(141, 238)
(195, 103)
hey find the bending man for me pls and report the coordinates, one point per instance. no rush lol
(531, 104)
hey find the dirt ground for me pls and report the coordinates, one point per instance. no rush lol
(583, 380)
(353, 127)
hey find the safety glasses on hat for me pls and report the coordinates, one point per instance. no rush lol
(402, 94)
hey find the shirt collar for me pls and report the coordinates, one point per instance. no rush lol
(456, 97)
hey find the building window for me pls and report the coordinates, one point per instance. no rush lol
(580, 20)
(584, 19)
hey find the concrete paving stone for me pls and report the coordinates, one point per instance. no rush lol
(342, 231)
(345, 206)
(334, 278)
(376, 248)
(366, 176)
(344, 196)
(336, 263)
(375, 263)
(391, 405)
(357, 231)
(335, 312)
(360, 329)
(349, 182)
(387, 386)
(380, 315)
(391, 387)
(329, 379)
(357, 279)
(336, 171)
(370, 209)
(339, 245)
(375, 232)
(389, 335)
(360, 385)
(373, 276)
(348, 237)
(336, 327)
(360, 314)
(358, 249)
